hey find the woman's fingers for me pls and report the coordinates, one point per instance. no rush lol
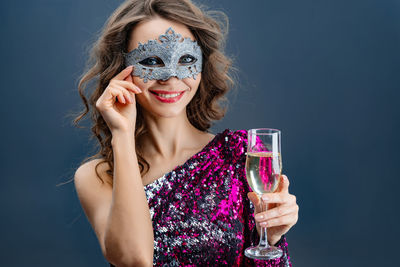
(281, 195)
(129, 78)
(123, 74)
(124, 80)
(120, 96)
(279, 198)
(284, 211)
(127, 95)
(113, 104)
(276, 212)
(288, 220)
(128, 85)
(107, 99)
(283, 184)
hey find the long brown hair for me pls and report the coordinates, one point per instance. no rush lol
(106, 60)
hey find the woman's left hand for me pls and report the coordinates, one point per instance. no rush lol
(282, 212)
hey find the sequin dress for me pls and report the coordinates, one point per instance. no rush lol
(200, 210)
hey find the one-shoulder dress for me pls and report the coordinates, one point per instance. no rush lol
(200, 210)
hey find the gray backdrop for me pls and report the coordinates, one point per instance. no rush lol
(324, 72)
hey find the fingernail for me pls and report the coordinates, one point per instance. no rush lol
(265, 198)
(259, 217)
(263, 224)
(139, 89)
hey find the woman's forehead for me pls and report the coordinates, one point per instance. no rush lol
(152, 29)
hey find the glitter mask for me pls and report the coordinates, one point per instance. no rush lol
(171, 49)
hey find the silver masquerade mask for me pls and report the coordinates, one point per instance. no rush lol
(171, 56)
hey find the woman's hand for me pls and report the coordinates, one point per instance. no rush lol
(282, 212)
(119, 115)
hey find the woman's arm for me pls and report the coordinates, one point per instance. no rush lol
(119, 214)
(130, 227)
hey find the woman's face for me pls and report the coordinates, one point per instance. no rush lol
(162, 98)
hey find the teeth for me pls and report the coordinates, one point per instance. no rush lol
(169, 95)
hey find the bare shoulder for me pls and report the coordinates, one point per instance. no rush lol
(95, 195)
(94, 189)
(87, 172)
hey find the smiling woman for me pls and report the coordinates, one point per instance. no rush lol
(163, 190)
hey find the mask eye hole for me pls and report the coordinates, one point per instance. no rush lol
(152, 62)
(187, 60)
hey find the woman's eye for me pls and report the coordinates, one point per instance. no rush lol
(187, 59)
(152, 61)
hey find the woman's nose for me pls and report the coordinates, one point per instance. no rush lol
(170, 80)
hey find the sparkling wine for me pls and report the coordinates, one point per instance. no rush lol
(263, 170)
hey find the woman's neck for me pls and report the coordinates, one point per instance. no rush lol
(169, 136)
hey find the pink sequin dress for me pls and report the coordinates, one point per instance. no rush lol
(200, 210)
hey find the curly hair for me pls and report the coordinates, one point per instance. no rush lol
(106, 60)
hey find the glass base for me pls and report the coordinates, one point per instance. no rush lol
(260, 253)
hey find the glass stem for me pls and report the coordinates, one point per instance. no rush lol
(263, 237)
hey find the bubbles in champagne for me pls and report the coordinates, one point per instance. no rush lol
(263, 170)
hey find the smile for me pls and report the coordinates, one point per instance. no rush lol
(167, 97)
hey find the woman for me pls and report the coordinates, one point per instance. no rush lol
(164, 190)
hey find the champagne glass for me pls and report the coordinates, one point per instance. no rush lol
(263, 171)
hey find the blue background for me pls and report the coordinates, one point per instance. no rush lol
(324, 72)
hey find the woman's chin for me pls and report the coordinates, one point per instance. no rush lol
(167, 113)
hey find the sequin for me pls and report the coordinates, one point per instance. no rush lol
(200, 210)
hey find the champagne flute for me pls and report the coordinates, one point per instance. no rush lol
(263, 171)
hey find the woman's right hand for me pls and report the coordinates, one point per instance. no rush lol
(119, 115)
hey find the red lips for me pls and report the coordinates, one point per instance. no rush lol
(167, 96)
